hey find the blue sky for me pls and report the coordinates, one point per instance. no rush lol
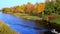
(10, 3)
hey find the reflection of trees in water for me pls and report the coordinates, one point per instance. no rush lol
(37, 28)
(48, 25)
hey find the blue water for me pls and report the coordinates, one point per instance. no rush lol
(20, 25)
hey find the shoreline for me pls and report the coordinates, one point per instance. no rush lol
(5, 28)
(31, 18)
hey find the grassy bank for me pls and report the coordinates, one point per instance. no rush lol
(26, 16)
(55, 23)
(5, 29)
(57, 20)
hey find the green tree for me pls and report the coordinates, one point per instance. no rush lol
(52, 7)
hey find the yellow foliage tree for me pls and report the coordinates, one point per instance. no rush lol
(5, 10)
(29, 8)
(41, 7)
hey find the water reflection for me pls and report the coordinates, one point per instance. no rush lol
(20, 25)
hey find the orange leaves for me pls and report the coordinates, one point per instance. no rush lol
(41, 7)
(19, 9)
(5, 10)
(28, 8)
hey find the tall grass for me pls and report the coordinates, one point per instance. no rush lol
(5, 29)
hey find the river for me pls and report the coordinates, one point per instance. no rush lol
(21, 25)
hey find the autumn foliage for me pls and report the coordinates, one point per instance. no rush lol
(27, 8)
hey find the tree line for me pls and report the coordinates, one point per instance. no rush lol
(35, 9)
(28, 8)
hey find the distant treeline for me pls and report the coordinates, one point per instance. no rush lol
(34, 9)
(26, 8)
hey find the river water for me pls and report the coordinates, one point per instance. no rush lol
(21, 25)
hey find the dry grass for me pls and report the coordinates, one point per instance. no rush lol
(5, 29)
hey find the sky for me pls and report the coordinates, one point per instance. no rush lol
(11, 3)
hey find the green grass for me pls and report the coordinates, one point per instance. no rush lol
(22, 15)
(57, 20)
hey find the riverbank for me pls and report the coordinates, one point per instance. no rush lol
(55, 23)
(26, 16)
(21, 25)
(5, 29)
(48, 24)
(29, 17)
(34, 18)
